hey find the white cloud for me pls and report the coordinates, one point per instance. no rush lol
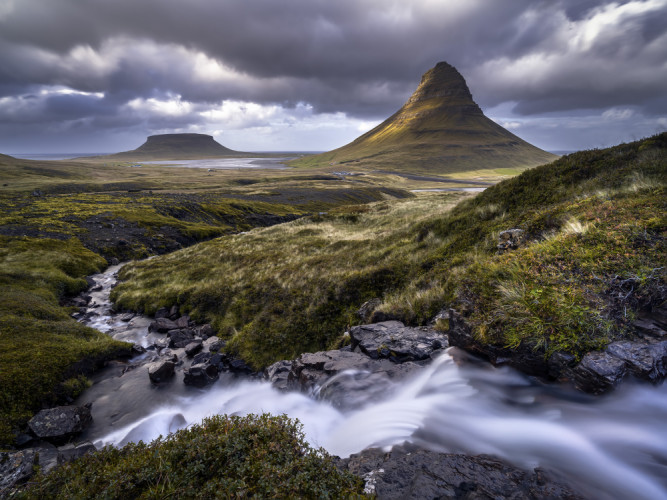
(173, 106)
(618, 114)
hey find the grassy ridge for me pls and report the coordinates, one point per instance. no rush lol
(40, 345)
(223, 457)
(283, 290)
(592, 219)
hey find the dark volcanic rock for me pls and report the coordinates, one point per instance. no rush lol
(162, 325)
(393, 340)
(206, 331)
(180, 338)
(524, 358)
(193, 347)
(160, 371)
(163, 312)
(213, 344)
(511, 239)
(183, 322)
(598, 372)
(200, 375)
(413, 473)
(15, 469)
(347, 379)
(645, 360)
(70, 452)
(278, 374)
(173, 313)
(312, 369)
(237, 365)
(60, 423)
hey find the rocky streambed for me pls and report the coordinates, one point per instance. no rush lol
(412, 415)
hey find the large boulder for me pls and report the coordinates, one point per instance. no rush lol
(162, 325)
(200, 375)
(60, 423)
(180, 338)
(645, 360)
(161, 370)
(193, 347)
(346, 379)
(406, 473)
(213, 343)
(397, 342)
(599, 372)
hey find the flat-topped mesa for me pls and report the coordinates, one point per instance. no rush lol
(440, 129)
(182, 143)
(177, 147)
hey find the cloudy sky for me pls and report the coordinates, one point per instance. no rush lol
(266, 75)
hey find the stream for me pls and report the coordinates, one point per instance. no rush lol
(608, 447)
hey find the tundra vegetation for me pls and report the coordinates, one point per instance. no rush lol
(62, 221)
(594, 257)
(223, 457)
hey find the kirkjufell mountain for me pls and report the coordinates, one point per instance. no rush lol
(440, 129)
(177, 147)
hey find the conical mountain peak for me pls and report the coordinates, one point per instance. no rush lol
(440, 129)
(442, 81)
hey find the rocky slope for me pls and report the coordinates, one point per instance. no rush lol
(440, 129)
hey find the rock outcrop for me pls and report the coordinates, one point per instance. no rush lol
(379, 355)
(510, 239)
(596, 373)
(60, 423)
(408, 472)
(394, 341)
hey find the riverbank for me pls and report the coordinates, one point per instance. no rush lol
(449, 407)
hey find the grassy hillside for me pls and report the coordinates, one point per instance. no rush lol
(594, 220)
(291, 288)
(43, 352)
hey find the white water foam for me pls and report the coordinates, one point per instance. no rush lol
(609, 447)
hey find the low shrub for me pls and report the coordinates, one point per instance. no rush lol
(223, 457)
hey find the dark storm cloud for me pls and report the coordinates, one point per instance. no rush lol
(362, 58)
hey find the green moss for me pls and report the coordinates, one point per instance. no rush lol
(40, 345)
(253, 456)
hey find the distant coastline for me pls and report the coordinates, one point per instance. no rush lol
(69, 156)
(52, 156)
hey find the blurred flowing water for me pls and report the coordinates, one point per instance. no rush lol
(608, 447)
